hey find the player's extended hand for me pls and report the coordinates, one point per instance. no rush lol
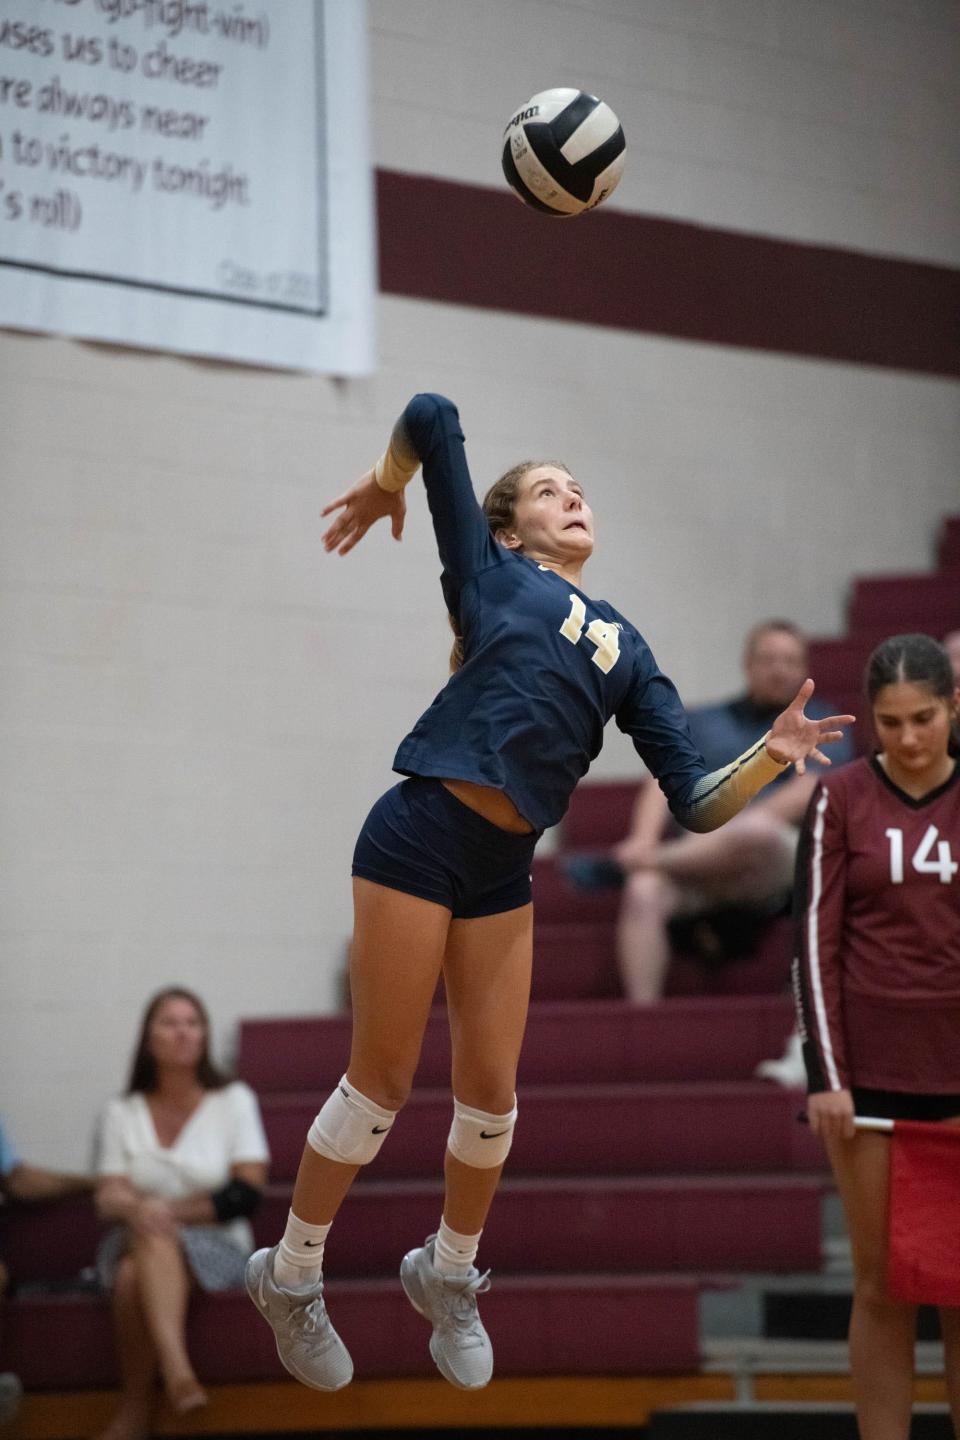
(361, 507)
(795, 737)
(830, 1113)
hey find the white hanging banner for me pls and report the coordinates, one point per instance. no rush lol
(189, 176)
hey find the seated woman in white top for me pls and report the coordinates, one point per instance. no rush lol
(182, 1158)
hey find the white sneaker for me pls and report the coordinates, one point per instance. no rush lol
(459, 1344)
(789, 1071)
(307, 1343)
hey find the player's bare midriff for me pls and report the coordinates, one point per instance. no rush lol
(492, 804)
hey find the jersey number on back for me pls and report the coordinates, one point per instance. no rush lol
(945, 866)
(604, 634)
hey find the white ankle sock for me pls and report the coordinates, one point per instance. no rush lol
(298, 1262)
(454, 1254)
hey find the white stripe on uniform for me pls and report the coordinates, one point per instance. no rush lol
(813, 948)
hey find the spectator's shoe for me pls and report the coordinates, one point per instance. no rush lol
(11, 1393)
(459, 1344)
(789, 1071)
(307, 1343)
(593, 872)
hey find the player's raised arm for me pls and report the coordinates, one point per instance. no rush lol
(793, 738)
(427, 433)
(655, 719)
(360, 508)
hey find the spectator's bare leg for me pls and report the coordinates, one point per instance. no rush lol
(137, 1356)
(164, 1291)
(747, 859)
(643, 950)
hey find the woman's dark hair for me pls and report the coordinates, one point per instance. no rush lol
(499, 505)
(143, 1072)
(913, 660)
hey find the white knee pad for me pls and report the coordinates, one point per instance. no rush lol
(350, 1128)
(479, 1139)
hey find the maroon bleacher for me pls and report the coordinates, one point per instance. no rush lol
(600, 814)
(837, 665)
(948, 552)
(608, 1129)
(883, 605)
(558, 902)
(546, 1325)
(905, 603)
(574, 959)
(619, 1224)
(590, 1041)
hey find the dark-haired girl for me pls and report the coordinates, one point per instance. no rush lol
(878, 987)
(442, 866)
(181, 1160)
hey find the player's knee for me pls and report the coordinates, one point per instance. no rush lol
(489, 1087)
(393, 1087)
(481, 1138)
(387, 1080)
(350, 1127)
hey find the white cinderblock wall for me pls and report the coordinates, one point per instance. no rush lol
(198, 706)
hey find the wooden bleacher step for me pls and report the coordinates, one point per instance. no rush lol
(609, 1225)
(544, 1325)
(690, 1039)
(599, 1129)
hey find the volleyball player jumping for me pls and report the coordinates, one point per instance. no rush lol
(442, 866)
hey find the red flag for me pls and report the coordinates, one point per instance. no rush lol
(924, 1251)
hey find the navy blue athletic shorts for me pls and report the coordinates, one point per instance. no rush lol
(421, 839)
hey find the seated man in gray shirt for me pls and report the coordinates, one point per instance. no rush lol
(746, 865)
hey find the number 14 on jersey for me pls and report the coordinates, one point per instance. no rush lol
(604, 634)
(944, 866)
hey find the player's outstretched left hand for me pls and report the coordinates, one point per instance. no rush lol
(361, 507)
(795, 737)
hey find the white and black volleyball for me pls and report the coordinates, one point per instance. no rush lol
(563, 152)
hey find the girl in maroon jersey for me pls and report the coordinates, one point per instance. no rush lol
(877, 981)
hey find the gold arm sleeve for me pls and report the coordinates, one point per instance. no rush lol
(719, 796)
(399, 462)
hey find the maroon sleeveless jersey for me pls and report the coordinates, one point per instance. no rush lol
(877, 906)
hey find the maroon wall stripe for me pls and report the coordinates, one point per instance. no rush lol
(468, 245)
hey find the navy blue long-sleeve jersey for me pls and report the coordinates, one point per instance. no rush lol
(545, 666)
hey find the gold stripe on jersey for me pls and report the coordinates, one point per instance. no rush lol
(722, 794)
